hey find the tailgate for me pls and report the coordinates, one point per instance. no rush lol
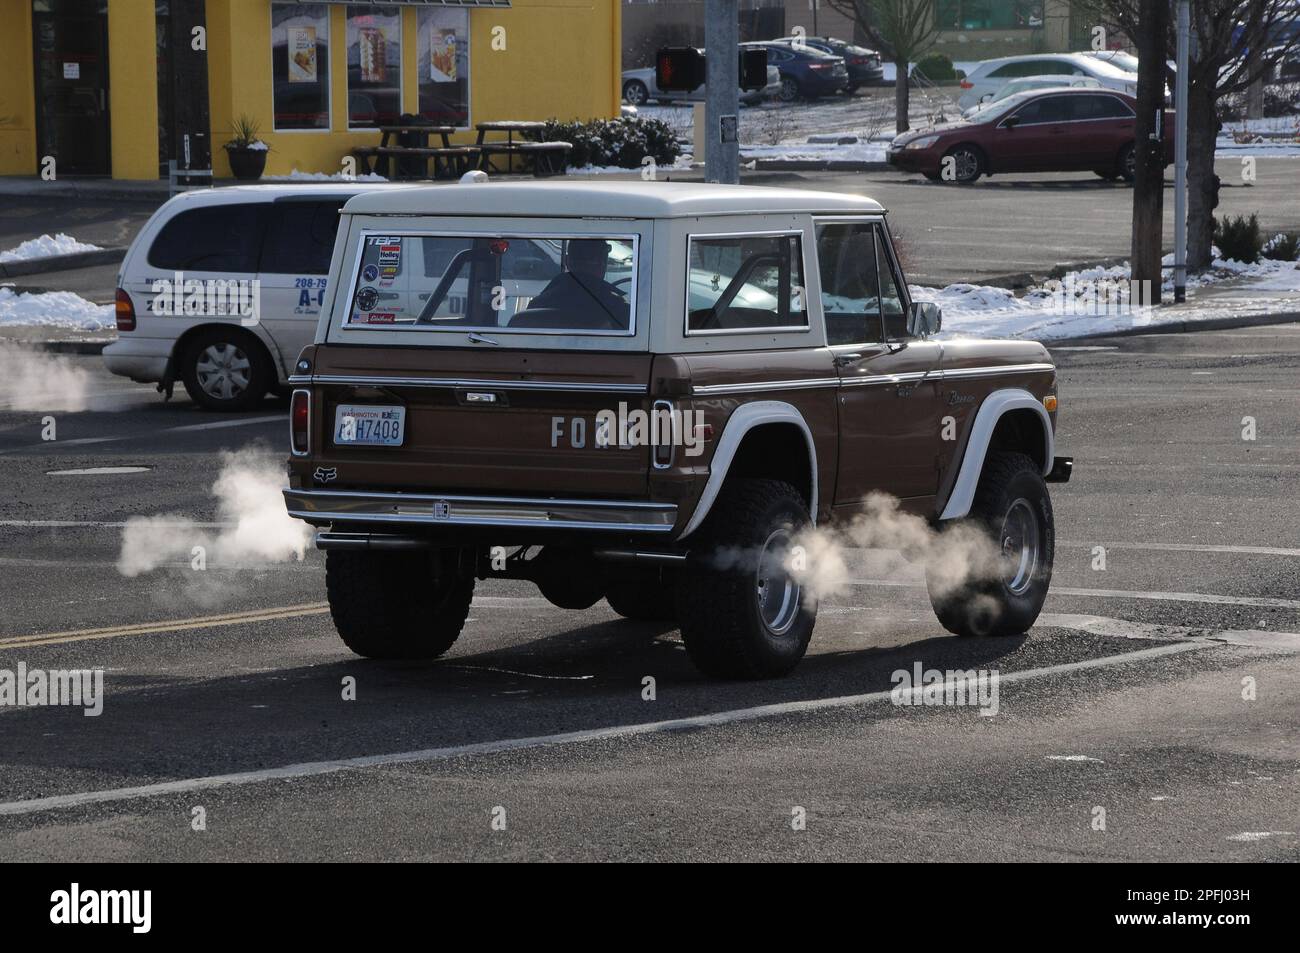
(476, 421)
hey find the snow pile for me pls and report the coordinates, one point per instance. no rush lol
(53, 309)
(1099, 301)
(297, 176)
(681, 164)
(46, 246)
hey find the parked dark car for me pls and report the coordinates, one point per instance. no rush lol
(863, 65)
(805, 72)
(1053, 130)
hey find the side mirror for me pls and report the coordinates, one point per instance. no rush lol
(1011, 122)
(986, 97)
(924, 318)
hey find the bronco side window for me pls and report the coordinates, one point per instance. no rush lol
(739, 283)
(846, 261)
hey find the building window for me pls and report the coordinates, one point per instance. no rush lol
(300, 41)
(444, 66)
(989, 14)
(374, 66)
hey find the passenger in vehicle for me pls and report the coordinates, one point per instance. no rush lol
(579, 297)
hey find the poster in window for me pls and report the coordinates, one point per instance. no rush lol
(302, 54)
(442, 55)
(370, 41)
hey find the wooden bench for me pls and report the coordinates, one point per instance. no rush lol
(448, 161)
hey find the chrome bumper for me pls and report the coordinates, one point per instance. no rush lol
(420, 509)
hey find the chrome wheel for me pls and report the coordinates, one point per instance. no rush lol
(789, 90)
(1019, 545)
(966, 164)
(223, 371)
(777, 591)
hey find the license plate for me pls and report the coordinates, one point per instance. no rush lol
(369, 425)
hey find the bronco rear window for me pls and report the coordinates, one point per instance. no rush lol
(539, 284)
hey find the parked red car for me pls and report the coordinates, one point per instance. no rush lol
(1053, 130)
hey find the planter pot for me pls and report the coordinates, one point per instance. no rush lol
(247, 164)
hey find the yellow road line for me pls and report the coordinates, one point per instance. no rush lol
(168, 625)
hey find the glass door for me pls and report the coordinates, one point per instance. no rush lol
(71, 56)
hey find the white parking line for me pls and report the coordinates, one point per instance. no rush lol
(1185, 548)
(210, 425)
(315, 768)
(1208, 598)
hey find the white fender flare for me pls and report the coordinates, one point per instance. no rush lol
(986, 420)
(742, 420)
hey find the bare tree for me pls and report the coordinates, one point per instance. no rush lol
(903, 31)
(1234, 44)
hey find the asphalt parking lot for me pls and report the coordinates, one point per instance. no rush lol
(226, 693)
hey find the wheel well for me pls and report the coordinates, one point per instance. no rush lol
(235, 331)
(775, 451)
(1021, 431)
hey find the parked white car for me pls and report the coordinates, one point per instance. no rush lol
(990, 75)
(1028, 83)
(222, 288)
(639, 88)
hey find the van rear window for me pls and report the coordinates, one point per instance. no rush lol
(504, 283)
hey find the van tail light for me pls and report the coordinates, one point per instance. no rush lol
(966, 84)
(124, 311)
(300, 423)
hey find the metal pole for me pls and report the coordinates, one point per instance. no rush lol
(1180, 152)
(722, 91)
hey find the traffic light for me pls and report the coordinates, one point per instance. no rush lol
(679, 69)
(753, 68)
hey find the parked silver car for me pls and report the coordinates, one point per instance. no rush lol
(639, 88)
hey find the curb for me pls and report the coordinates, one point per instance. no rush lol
(139, 190)
(79, 259)
(817, 165)
(1181, 327)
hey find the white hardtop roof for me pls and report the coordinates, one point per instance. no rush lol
(604, 200)
(269, 191)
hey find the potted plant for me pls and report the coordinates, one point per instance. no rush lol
(246, 152)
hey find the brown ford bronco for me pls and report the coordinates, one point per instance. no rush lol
(643, 392)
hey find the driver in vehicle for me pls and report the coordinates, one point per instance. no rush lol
(579, 296)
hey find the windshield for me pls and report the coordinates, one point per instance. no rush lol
(1001, 107)
(533, 283)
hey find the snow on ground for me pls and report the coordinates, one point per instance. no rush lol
(45, 246)
(1094, 301)
(53, 309)
(296, 176)
(683, 163)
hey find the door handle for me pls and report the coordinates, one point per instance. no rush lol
(843, 360)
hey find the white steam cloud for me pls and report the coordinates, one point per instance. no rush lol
(254, 528)
(956, 556)
(32, 380)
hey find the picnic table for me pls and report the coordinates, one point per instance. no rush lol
(413, 152)
(544, 158)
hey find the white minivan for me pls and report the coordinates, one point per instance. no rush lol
(200, 257)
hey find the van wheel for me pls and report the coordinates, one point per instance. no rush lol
(397, 605)
(1013, 509)
(225, 370)
(968, 163)
(649, 597)
(742, 613)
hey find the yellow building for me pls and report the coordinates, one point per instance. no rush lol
(120, 87)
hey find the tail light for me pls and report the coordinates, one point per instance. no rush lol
(966, 84)
(664, 418)
(124, 311)
(300, 423)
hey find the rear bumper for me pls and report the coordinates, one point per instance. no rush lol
(142, 359)
(1062, 470)
(430, 511)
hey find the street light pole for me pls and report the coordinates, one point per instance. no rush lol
(1180, 152)
(722, 91)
